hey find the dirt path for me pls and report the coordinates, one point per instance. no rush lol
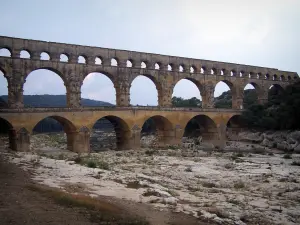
(20, 205)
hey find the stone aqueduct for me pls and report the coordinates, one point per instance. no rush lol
(122, 67)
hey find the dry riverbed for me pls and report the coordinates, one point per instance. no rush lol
(224, 187)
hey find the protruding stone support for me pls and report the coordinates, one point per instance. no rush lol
(20, 140)
(79, 141)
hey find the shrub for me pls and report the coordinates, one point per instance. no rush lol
(287, 156)
(295, 163)
(239, 184)
(91, 164)
(103, 165)
(78, 160)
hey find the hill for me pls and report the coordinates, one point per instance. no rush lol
(53, 101)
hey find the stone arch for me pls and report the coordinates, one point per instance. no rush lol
(82, 59)
(234, 126)
(25, 54)
(62, 124)
(98, 60)
(93, 81)
(129, 63)
(202, 126)
(114, 61)
(196, 83)
(275, 91)
(249, 96)
(64, 57)
(153, 81)
(161, 127)
(45, 56)
(5, 52)
(225, 85)
(7, 131)
(46, 78)
(3, 88)
(122, 131)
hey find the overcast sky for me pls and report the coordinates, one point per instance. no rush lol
(255, 32)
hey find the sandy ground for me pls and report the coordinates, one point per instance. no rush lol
(222, 187)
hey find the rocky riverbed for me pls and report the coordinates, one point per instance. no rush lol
(245, 183)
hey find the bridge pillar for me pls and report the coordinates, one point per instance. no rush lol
(134, 139)
(207, 92)
(73, 94)
(15, 93)
(122, 93)
(19, 141)
(79, 141)
(222, 137)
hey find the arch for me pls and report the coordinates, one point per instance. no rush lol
(181, 68)
(45, 56)
(275, 94)
(24, 54)
(170, 67)
(8, 134)
(157, 66)
(202, 70)
(296, 77)
(233, 73)
(81, 59)
(258, 76)
(224, 94)
(282, 78)
(267, 76)
(192, 69)
(5, 52)
(251, 75)
(144, 65)
(98, 60)
(222, 72)
(289, 78)
(100, 87)
(204, 126)
(44, 82)
(143, 89)
(183, 98)
(251, 93)
(129, 63)
(54, 125)
(63, 57)
(121, 129)
(114, 62)
(234, 126)
(242, 73)
(158, 126)
(275, 77)
(3, 90)
(212, 71)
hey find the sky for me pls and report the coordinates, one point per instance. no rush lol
(254, 32)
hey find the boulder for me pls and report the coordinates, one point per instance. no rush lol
(267, 143)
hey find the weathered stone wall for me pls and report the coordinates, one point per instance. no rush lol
(165, 71)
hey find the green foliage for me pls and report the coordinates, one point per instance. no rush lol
(180, 102)
(279, 113)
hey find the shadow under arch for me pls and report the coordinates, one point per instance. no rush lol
(198, 85)
(121, 129)
(156, 84)
(203, 128)
(234, 126)
(275, 94)
(8, 134)
(159, 126)
(56, 124)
